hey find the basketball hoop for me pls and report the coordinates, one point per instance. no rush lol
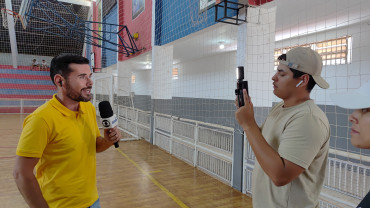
(16, 16)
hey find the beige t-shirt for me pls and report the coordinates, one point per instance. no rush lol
(299, 134)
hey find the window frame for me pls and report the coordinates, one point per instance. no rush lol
(322, 47)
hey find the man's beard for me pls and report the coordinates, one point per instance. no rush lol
(77, 96)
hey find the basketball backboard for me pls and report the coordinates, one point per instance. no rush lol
(24, 10)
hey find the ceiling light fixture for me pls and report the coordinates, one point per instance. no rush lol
(222, 46)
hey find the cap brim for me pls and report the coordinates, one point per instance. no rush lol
(321, 82)
(353, 100)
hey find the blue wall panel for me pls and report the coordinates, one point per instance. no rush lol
(110, 57)
(174, 19)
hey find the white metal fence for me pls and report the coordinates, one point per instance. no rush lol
(134, 121)
(347, 178)
(325, 204)
(202, 145)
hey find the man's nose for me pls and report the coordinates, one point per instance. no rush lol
(90, 82)
(274, 77)
(353, 118)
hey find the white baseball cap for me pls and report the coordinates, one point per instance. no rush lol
(357, 99)
(308, 61)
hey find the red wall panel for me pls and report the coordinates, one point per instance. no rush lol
(258, 2)
(142, 24)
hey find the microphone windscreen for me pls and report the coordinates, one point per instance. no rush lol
(105, 109)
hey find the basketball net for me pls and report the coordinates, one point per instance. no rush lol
(16, 16)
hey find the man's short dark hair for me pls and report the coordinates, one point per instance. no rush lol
(60, 64)
(296, 74)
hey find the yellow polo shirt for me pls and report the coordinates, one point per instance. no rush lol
(65, 142)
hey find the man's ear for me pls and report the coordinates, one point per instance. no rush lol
(58, 80)
(305, 78)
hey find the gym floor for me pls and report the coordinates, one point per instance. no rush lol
(137, 174)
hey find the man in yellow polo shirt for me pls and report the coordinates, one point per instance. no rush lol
(60, 140)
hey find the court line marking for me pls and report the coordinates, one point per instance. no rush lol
(155, 171)
(173, 197)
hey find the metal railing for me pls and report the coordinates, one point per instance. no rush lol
(134, 121)
(202, 145)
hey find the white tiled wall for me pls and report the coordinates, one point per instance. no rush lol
(211, 77)
(143, 82)
(214, 76)
(330, 21)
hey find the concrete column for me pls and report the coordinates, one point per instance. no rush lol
(162, 64)
(237, 181)
(124, 80)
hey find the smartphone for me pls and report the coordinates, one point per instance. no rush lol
(240, 85)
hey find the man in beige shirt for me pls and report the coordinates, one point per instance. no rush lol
(291, 147)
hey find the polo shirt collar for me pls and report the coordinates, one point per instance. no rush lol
(64, 110)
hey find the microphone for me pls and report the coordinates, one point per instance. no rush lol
(108, 119)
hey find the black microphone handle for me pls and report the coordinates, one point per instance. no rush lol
(116, 145)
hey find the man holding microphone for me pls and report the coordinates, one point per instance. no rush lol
(60, 140)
